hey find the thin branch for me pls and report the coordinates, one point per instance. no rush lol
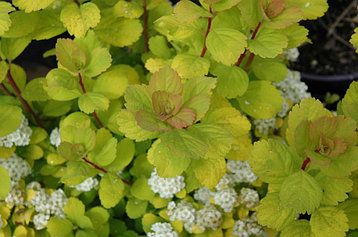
(80, 81)
(305, 163)
(239, 61)
(337, 37)
(207, 32)
(249, 61)
(145, 27)
(77, 2)
(23, 101)
(332, 28)
(5, 90)
(103, 170)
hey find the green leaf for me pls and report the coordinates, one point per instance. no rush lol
(138, 98)
(353, 40)
(5, 185)
(269, 70)
(231, 18)
(158, 45)
(75, 212)
(273, 214)
(49, 26)
(128, 9)
(261, 100)
(92, 101)
(76, 119)
(296, 35)
(350, 100)
(34, 90)
(150, 122)
(287, 17)
(273, 161)
(33, 5)
(300, 228)
(71, 152)
(232, 81)
(128, 125)
(13, 47)
(199, 104)
(329, 221)
(216, 137)
(61, 85)
(22, 24)
(226, 45)
(59, 227)
(76, 172)
(10, 117)
(141, 190)
(166, 163)
(119, 32)
(198, 86)
(219, 6)
(70, 55)
(188, 65)
(5, 21)
(100, 60)
(310, 109)
(268, 43)
(32, 152)
(148, 220)
(350, 208)
(166, 79)
(19, 76)
(184, 143)
(334, 190)
(105, 150)
(301, 192)
(124, 156)
(4, 68)
(98, 215)
(78, 19)
(187, 11)
(141, 166)
(38, 135)
(312, 9)
(209, 172)
(250, 10)
(111, 190)
(84, 135)
(136, 208)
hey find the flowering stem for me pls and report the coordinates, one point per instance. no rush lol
(145, 26)
(207, 32)
(84, 92)
(23, 101)
(5, 90)
(103, 170)
(305, 163)
(239, 61)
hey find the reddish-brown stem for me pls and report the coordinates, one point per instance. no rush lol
(239, 61)
(249, 61)
(207, 32)
(80, 81)
(103, 170)
(23, 101)
(77, 2)
(305, 163)
(5, 90)
(145, 26)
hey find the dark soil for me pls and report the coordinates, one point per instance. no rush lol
(331, 53)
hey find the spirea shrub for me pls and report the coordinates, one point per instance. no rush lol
(171, 121)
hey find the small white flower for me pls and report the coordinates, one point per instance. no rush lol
(166, 187)
(241, 171)
(249, 197)
(208, 217)
(225, 182)
(247, 227)
(55, 138)
(226, 199)
(15, 196)
(263, 126)
(17, 168)
(162, 230)
(184, 212)
(40, 221)
(19, 137)
(87, 185)
(291, 54)
(203, 195)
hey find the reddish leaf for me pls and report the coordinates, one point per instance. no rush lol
(183, 119)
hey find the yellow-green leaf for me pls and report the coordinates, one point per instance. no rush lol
(354, 39)
(209, 172)
(32, 5)
(10, 117)
(111, 190)
(188, 65)
(128, 9)
(5, 184)
(92, 101)
(297, 228)
(5, 21)
(329, 222)
(311, 9)
(60, 227)
(188, 12)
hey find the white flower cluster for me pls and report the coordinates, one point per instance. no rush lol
(247, 227)
(46, 205)
(291, 54)
(165, 187)
(87, 185)
(208, 217)
(292, 88)
(203, 195)
(55, 138)
(184, 212)
(17, 168)
(284, 109)
(263, 126)
(241, 171)
(226, 199)
(15, 196)
(226, 181)
(162, 230)
(19, 137)
(249, 197)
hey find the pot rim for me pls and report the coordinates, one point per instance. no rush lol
(329, 78)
